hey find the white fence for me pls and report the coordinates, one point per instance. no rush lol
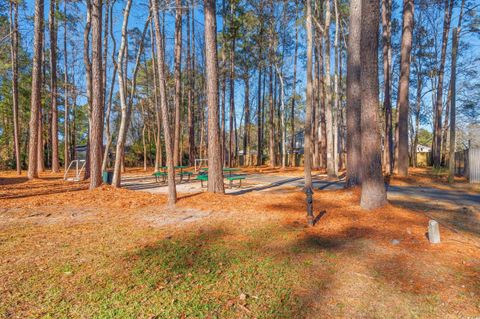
(467, 163)
(474, 165)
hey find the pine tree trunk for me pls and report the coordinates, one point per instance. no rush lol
(190, 106)
(294, 91)
(336, 85)
(88, 73)
(96, 129)
(126, 98)
(159, 41)
(53, 85)
(232, 92)
(309, 108)
(144, 128)
(403, 88)
(453, 74)
(387, 100)
(437, 132)
(246, 130)
(259, 120)
(41, 146)
(122, 90)
(322, 129)
(66, 141)
(36, 91)
(354, 107)
(105, 49)
(283, 129)
(271, 125)
(328, 94)
(316, 106)
(110, 96)
(178, 83)
(14, 54)
(42, 116)
(158, 111)
(373, 188)
(418, 103)
(215, 171)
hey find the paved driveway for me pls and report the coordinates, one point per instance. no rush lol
(320, 182)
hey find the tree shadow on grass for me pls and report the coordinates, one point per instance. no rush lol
(42, 190)
(12, 180)
(203, 275)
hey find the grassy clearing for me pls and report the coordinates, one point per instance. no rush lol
(98, 255)
(197, 276)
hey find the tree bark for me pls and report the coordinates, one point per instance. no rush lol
(418, 104)
(294, 90)
(53, 85)
(246, 131)
(373, 188)
(178, 83)
(309, 109)
(158, 111)
(283, 129)
(124, 104)
(271, 125)
(403, 88)
(110, 96)
(172, 192)
(215, 172)
(42, 117)
(190, 105)
(232, 87)
(88, 73)
(14, 55)
(336, 85)
(328, 94)
(354, 107)
(36, 91)
(387, 102)
(96, 129)
(437, 132)
(259, 120)
(66, 140)
(451, 155)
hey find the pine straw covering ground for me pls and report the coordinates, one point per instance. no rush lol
(69, 252)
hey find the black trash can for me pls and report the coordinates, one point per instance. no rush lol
(107, 177)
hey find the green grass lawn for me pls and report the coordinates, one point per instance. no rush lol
(198, 276)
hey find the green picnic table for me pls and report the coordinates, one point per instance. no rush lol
(203, 177)
(228, 170)
(157, 175)
(181, 174)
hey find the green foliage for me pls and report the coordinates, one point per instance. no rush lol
(425, 137)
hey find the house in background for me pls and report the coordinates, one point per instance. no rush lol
(423, 149)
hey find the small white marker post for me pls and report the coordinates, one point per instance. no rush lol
(433, 232)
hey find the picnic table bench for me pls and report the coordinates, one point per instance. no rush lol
(163, 173)
(204, 178)
(157, 175)
(187, 174)
(233, 178)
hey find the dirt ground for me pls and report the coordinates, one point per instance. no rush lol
(69, 252)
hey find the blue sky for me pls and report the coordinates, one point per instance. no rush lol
(139, 13)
